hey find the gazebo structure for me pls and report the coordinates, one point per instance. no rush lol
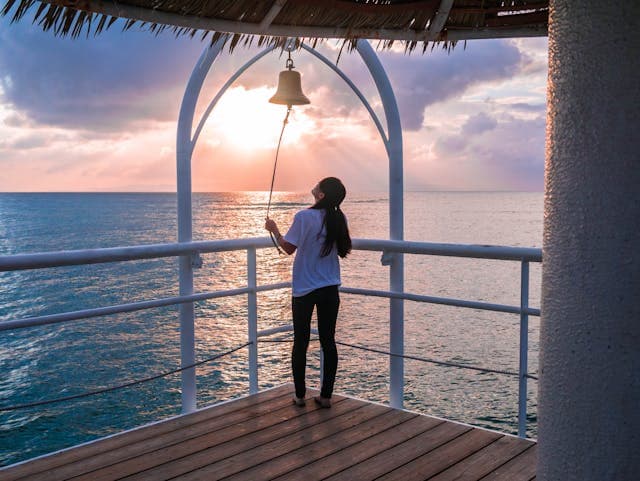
(589, 384)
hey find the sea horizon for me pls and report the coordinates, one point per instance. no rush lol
(266, 190)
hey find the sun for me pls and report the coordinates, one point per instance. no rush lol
(247, 120)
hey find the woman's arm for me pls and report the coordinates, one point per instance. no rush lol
(286, 246)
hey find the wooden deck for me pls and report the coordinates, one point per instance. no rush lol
(265, 436)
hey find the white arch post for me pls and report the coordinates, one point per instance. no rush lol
(184, 149)
(396, 221)
(185, 146)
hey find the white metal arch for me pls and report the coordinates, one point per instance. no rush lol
(184, 150)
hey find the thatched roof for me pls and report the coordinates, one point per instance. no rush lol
(272, 21)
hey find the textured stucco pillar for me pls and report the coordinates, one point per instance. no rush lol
(589, 396)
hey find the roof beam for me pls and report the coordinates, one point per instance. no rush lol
(442, 14)
(272, 13)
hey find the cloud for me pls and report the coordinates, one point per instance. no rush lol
(508, 156)
(526, 107)
(535, 52)
(15, 120)
(479, 123)
(440, 76)
(114, 81)
(29, 142)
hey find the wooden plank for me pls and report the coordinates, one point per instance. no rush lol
(484, 461)
(301, 439)
(69, 455)
(367, 448)
(178, 459)
(443, 457)
(520, 468)
(244, 422)
(323, 449)
(84, 468)
(257, 445)
(395, 457)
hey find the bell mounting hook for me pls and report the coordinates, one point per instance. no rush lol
(289, 63)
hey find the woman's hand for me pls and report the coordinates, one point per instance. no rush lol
(271, 226)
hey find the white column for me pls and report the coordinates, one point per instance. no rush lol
(589, 394)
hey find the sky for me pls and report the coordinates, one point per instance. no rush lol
(100, 114)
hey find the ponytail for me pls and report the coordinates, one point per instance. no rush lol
(334, 220)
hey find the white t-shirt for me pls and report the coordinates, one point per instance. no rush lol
(310, 270)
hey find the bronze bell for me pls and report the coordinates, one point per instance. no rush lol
(289, 90)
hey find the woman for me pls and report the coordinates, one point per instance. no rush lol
(318, 235)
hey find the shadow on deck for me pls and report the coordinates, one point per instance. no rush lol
(264, 436)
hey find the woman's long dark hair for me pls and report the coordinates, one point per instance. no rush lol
(334, 220)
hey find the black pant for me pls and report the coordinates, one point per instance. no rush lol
(327, 301)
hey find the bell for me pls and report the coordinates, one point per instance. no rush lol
(289, 90)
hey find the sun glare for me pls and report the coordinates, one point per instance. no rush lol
(247, 120)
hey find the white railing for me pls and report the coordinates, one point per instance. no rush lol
(194, 249)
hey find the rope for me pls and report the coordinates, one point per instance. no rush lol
(273, 176)
(128, 384)
(218, 356)
(416, 358)
(435, 361)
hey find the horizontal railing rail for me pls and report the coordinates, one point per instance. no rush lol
(42, 260)
(446, 301)
(153, 251)
(132, 307)
(476, 251)
(389, 248)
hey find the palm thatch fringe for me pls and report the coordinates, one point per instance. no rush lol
(389, 21)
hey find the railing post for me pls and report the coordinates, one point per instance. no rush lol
(187, 337)
(524, 349)
(252, 308)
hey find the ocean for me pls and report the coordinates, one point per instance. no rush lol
(60, 360)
